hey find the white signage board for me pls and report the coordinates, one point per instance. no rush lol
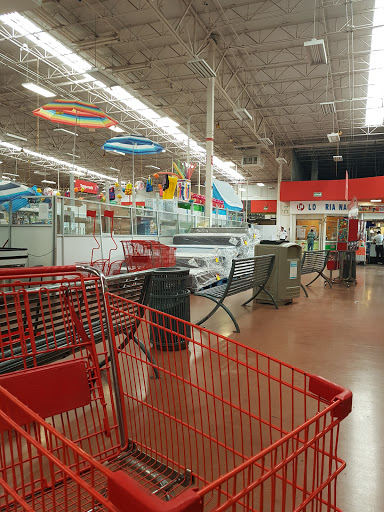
(319, 207)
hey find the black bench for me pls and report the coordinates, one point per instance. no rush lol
(42, 322)
(315, 261)
(246, 274)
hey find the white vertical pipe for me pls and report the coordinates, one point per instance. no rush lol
(210, 134)
(278, 203)
(198, 184)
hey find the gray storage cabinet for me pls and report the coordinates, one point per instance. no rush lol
(284, 283)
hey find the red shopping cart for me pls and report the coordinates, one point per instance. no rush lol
(106, 266)
(147, 254)
(225, 427)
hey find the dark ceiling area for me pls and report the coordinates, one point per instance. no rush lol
(361, 160)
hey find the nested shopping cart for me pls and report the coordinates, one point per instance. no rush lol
(107, 266)
(147, 254)
(224, 427)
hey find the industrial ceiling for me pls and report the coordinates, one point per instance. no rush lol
(268, 95)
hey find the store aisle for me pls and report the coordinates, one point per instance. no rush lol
(339, 334)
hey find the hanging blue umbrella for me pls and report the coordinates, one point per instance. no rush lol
(15, 193)
(133, 145)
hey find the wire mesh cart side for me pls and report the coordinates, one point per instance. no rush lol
(250, 432)
(41, 470)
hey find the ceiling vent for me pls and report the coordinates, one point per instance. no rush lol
(315, 50)
(337, 158)
(252, 161)
(202, 68)
(266, 141)
(243, 114)
(333, 137)
(328, 107)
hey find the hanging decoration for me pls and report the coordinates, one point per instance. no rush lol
(149, 186)
(128, 189)
(139, 185)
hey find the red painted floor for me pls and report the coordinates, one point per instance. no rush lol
(337, 333)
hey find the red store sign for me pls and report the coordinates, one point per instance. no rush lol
(88, 186)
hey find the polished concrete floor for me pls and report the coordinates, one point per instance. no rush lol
(337, 333)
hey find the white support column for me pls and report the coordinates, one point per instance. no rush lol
(323, 234)
(278, 203)
(107, 185)
(210, 134)
(72, 185)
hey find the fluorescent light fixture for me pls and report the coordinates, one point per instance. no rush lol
(1, 162)
(229, 164)
(328, 107)
(68, 167)
(45, 41)
(166, 121)
(150, 114)
(315, 50)
(242, 189)
(10, 174)
(116, 129)
(266, 141)
(49, 182)
(39, 90)
(375, 200)
(16, 136)
(337, 158)
(119, 93)
(243, 114)
(66, 131)
(72, 154)
(201, 67)
(260, 184)
(152, 167)
(333, 137)
(114, 169)
(374, 114)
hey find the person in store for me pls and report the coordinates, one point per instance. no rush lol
(378, 241)
(283, 235)
(311, 240)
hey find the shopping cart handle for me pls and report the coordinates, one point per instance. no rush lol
(333, 393)
(23, 271)
(127, 495)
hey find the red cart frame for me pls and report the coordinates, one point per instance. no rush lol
(147, 254)
(225, 427)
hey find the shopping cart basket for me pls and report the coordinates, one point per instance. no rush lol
(48, 313)
(225, 427)
(147, 254)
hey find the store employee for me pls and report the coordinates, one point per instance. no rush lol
(378, 241)
(283, 234)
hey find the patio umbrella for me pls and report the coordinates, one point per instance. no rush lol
(75, 113)
(14, 193)
(133, 145)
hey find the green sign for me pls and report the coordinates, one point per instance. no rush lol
(317, 194)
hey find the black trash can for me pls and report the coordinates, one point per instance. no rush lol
(169, 294)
